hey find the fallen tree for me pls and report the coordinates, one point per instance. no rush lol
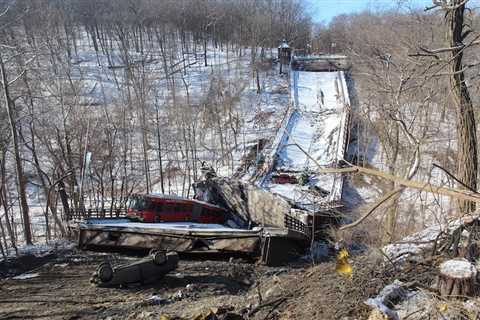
(419, 185)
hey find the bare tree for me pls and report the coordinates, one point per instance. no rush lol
(467, 157)
(21, 180)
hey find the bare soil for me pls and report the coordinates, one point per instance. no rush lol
(62, 290)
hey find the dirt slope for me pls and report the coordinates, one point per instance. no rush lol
(62, 291)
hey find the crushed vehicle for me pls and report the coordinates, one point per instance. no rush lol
(149, 269)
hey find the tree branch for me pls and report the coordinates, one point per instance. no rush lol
(454, 178)
(377, 204)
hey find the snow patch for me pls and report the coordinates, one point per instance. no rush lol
(458, 268)
(418, 242)
(389, 296)
(26, 276)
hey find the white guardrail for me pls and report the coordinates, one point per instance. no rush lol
(342, 142)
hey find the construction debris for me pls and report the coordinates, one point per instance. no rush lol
(249, 205)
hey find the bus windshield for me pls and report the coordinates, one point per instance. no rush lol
(139, 203)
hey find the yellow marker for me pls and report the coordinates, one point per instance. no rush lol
(343, 266)
(442, 307)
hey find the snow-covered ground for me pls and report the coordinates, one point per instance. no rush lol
(315, 123)
(188, 104)
(433, 125)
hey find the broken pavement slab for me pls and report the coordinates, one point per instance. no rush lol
(248, 204)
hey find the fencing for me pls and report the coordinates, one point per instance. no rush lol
(292, 223)
(82, 214)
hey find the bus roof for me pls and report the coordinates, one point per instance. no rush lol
(175, 198)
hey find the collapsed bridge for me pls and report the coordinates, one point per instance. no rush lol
(276, 217)
(314, 133)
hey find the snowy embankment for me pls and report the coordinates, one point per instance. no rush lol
(316, 125)
(200, 113)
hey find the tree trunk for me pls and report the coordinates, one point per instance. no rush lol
(457, 278)
(467, 165)
(18, 161)
(257, 78)
(159, 141)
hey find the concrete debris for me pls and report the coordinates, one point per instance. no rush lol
(191, 287)
(179, 295)
(419, 305)
(61, 265)
(156, 300)
(249, 204)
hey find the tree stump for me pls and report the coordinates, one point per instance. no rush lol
(457, 277)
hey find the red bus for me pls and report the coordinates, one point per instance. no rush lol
(167, 208)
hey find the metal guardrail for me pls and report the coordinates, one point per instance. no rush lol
(297, 225)
(81, 214)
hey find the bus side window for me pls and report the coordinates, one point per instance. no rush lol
(168, 208)
(178, 208)
(209, 211)
(184, 208)
(157, 207)
(148, 204)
